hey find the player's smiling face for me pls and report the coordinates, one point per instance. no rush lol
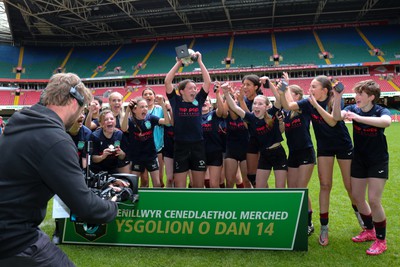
(116, 104)
(207, 106)
(149, 96)
(259, 107)
(108, 123)
(363, 100)
(189, 93)
(141, 110)
(249, 89)
(80, 120)
(317, 90)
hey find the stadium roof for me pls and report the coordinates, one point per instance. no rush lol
(121, 21)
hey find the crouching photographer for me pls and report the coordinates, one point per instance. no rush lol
(39, 159)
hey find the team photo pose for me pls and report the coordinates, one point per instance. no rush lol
(333, 140)
(189, 151)
(370, 165)
(141, 149)
(266, 126)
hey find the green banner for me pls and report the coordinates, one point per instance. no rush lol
(273, 219)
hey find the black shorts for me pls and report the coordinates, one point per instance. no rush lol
(189, 156)
(252, 146)
(237, 153)
(339, 153)
(168, 150)
(214, 158)
(361, 168)
(273, 158)
(140, 166)
(301, 157)
(122, 163)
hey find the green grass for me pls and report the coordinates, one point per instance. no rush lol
(341, 251)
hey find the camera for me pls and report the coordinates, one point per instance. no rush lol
(284, 85)
(215, 88)
(266, 84)
(338, 87)
(103, 185)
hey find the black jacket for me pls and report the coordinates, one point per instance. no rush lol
(37, 160)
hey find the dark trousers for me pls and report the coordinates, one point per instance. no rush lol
(43, 253)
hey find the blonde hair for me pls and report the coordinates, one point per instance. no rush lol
(122, 111)
(294, 88)
(103, 114)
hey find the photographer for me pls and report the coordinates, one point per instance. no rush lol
(39, 159)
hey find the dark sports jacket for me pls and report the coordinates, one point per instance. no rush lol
(37, 160)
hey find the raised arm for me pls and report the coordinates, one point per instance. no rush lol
(88, 120)
(286, 100)
(328, 117)
(161, 102)
(240, 99)
(337, 112)
(221, 110)
(169, 87)
(204, 72)
(124, 123)
(231, 103)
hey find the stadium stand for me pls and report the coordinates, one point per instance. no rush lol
(30, 97)
(126, 58)
(8, 60)
(386, 38)
(214, 50)
(346, 46)
(42, 62)
(252, 50)
(6, 97)
(297, 47)
(162, 57)
(85, 60)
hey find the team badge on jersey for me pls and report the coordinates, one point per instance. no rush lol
(147, 124)
(81, 145)
(117, 143)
